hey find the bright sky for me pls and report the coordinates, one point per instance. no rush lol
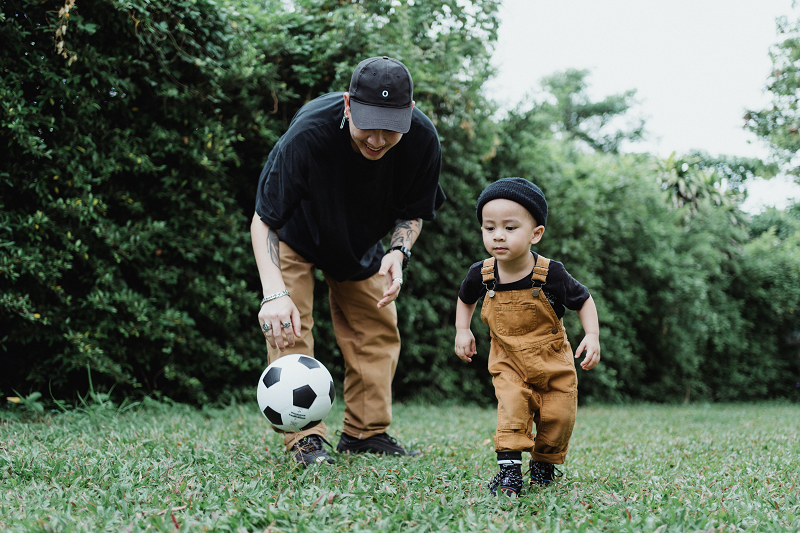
(696, 66)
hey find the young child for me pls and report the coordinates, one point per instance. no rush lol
(524, 296)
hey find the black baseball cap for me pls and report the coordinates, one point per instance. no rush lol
(381, 95)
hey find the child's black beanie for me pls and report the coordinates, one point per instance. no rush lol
(518, 190)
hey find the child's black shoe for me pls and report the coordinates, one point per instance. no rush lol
(508, 480)
(543, 473)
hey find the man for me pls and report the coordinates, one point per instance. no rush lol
(351, 168)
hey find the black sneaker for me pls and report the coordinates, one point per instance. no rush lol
(543, 473)
(309, 451)
(508, 480)
(380, 443)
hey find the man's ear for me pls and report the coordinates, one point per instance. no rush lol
(346, 103)
(537, 234)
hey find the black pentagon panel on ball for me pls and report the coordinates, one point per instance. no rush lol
(311, 424)
(304, 396)
(332, 393)
(273, 416)
(310, 362)
(272, 377)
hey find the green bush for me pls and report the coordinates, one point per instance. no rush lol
(762, 359)
(124, 247)
(132, 134)
(665, 251)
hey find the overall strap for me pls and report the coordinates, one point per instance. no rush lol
(540, 269)
(487, 271)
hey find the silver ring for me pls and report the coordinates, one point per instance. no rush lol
(398, 280)
(266, 327)
(287, 324)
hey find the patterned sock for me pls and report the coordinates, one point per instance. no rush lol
(509, 458)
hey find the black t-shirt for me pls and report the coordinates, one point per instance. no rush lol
(331, 204)
(561, 289)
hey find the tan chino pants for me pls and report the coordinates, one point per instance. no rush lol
(368, 337)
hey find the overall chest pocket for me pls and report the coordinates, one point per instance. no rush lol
(515, 320)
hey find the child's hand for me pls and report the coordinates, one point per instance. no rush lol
(465, 345)
(590, 343)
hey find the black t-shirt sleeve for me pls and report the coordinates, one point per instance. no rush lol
(282, 186)
(425, 196)
(566, 289)
(472, 288)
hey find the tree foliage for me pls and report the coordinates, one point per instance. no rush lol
(779, 123)
(125, 250)
(662, 246)
(132, 134)
(583, 120)
(130, 166)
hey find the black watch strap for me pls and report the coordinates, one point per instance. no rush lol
(406, 253)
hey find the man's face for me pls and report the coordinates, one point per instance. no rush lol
(372, 144)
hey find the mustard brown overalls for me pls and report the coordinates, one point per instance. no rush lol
(533, 372)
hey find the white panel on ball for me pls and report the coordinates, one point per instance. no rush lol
(295, 392)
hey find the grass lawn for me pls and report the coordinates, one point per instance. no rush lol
(161, 467)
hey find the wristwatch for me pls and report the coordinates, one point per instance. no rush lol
(406, 253)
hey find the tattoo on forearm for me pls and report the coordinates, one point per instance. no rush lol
(274, 247)
(406, 232)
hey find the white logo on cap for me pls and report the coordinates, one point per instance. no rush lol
(385, 94)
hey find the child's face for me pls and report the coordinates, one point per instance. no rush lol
(509, 230)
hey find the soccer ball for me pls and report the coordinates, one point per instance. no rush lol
(295, 392)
